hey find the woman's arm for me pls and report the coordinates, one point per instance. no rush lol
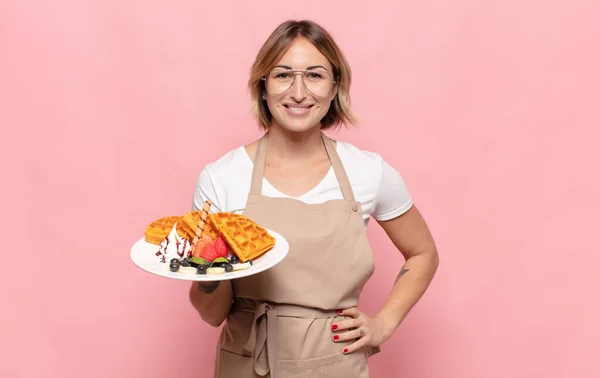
(212, 300)
(412, 238)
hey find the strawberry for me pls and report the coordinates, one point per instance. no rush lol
(209, 253)
(200, 245)
(221, 247)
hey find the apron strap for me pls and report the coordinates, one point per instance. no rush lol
(262, 342)
(338, 169)
(258, 171)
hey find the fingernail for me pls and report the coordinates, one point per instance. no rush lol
(340, 311)
(336, 337)
(334, 327)
(345, 350)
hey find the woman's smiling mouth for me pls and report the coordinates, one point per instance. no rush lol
(297, 109)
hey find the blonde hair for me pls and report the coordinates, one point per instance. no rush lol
(275, 47)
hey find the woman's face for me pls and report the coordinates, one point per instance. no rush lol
(300, 108)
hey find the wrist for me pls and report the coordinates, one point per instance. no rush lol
(389, 323)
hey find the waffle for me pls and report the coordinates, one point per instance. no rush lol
(159, 229)
(186, 227)
(247, 239)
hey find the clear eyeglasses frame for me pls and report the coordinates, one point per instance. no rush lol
(318, 82)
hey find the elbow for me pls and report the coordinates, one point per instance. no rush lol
(206, 311)
(429, 258)
(213, 321)
(434, 259)
(211, 318)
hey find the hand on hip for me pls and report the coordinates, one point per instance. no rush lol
(367, 331)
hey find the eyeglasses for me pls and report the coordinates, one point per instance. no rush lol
(317, 82)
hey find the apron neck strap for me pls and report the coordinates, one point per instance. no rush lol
(258, 170)
(338, 169)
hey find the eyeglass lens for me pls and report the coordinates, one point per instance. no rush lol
(317, 82)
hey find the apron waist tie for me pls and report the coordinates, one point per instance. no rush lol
(263, 336)
(262, 341)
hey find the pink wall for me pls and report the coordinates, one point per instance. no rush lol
(110, 109)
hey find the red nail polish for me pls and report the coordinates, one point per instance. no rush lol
(340, 311)
(336, 337)
(334, 327)
(345, 350)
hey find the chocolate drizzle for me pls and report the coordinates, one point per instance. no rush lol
(162, 250)
(189, 254)
(179, 251)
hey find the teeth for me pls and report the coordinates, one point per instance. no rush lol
(297, 108)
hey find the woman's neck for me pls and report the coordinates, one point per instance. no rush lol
(290, 145)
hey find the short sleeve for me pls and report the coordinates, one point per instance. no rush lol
(393, 198)
(205, 190)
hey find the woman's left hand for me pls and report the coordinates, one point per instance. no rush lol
(365, 330)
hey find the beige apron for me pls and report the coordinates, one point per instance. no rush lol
(280, 322)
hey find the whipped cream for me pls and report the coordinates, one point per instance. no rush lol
(173, 246)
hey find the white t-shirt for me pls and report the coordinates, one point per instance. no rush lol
(378, 187)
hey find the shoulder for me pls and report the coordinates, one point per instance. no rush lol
(364, 171)
(230, 162)
(359, 162)
(218, 178)
(375, 182)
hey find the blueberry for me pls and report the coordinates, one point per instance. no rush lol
(228, 268)
(234, 259)
(201, 269)
(185, 262)
(174, 266)
(173, 260)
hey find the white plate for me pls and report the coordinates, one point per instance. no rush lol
(143, 255)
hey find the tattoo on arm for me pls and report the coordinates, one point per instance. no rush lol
(210, 288)
(402, 272)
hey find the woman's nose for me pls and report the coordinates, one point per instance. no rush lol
(298, 91)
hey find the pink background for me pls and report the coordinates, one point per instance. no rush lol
(110, 109)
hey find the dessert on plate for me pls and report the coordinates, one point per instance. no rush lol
(158, 230)
(203, 243)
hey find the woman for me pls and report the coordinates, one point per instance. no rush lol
(299, 319)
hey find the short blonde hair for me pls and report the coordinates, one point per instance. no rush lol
(275, 47)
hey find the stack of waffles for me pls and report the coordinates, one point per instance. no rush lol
(245, 239)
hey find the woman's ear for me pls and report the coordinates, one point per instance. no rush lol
(334, 91)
